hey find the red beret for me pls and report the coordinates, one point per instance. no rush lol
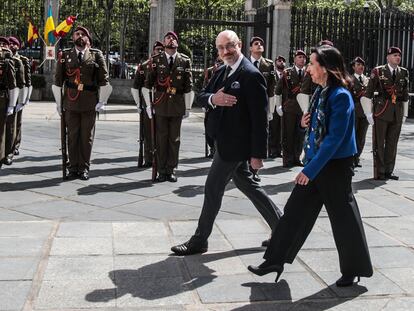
(393, 50)
(14, 40)
(300, 52)
(85, 31)
(325, 42)
(5, 40)
(252, 40)
(157, 44)
(358, 59)
(280, 57)
(172, 33)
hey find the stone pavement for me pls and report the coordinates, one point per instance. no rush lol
(103, 244)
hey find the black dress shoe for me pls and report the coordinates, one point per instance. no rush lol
(16, 152)
(171, 177)
(147, 164)
(84, 175)
(298, 163)
(346, 281)
(266, 243)
(8, 160)
(391, 176)
(189, 248)
(72, 175)
(266, 268)
(161, 178)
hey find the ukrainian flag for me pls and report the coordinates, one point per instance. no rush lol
(49, 35)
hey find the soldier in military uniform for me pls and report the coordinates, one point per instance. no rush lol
(388, 111)
(170, 76)
(8, 92)
(139, 81)
(267, 68)
(209, 72)
(288, 88)
(360, 82)
(83, 72)
(275, 130)
(12, 115)
(24, 94)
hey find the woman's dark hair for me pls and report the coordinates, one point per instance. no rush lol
(330, 58)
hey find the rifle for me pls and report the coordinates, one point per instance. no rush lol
(153, 142)
(205, 135)
(63, 142)
(141, 132)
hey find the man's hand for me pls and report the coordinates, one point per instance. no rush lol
(304, 122)
(256, 163)
(279, 111)
(100, 107)
(10, 111)
(223, 99)
(139, 108)
(301, 179)
(370, 119)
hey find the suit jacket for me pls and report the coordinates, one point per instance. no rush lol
(240, 131)
(381, 81)
(91, 72)
(358, 90)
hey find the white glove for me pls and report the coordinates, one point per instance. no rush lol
(405, 111)
(10, 110)
(269, 116)
(204, 109)
(149, 111)
(279, 110)
(139, 109)
(19, 107)
(404, 119)
(100, 107)
(370, 118)
(59, 109)
(187, 114)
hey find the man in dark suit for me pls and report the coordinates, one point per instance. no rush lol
(238, 101)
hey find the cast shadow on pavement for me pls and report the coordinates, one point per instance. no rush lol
(280, 293)
(165, 278)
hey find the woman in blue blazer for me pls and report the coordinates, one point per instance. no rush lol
(326, 178)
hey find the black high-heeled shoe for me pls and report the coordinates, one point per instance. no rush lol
(345, 281)
(266, 268)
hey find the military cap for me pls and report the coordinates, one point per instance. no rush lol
(85, 31)
(280, 57)
(256, 38)
(300, 52)
(14, 40)
(393, 50)
(325, 42)
(157, 44)
(4, 40)
(172, 33)
(358, 59)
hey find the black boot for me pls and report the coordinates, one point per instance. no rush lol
(344, 281)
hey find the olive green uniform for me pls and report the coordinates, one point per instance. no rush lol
(12, 119)
(82, 81)
(28, 83)
(7, 82)
(139, 82)
(170, 85)
(388, 113)
(289, 86)
(361, 123)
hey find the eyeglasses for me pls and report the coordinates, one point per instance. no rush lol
(229, 46)
(257, 43)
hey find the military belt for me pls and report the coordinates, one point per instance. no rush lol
(165, 90)
(91, 88)
(388, 97)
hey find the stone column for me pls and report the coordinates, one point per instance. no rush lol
(281, 27)
(161, 20)
(250, 12)
(49, 66)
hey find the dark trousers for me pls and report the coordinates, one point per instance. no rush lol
(10, 133)
(386, 135)
(209, 139)
(18, 138)
(292, 138)
(81, 132)
(3, 117)
(168, 142)
(332, 188)
(218, 177)
(275, 134)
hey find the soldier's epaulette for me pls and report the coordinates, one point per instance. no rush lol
(24, 58)
(268, 60)
(95, 50)
(184, 56)
(154, 57)
(404, 69)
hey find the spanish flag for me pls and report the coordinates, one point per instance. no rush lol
(50, 28)
(64, 27)
(32, 33)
